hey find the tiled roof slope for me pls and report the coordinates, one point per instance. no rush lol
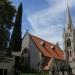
(47, 49)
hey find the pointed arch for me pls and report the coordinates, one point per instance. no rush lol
(68, 43)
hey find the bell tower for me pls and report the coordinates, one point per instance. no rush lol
(69, 37)
(69, 41)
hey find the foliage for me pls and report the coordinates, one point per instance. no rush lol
(15, 43)
(7, 12)
(34, 74)
(6, 37)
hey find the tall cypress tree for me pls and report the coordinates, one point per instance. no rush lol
(15, 43)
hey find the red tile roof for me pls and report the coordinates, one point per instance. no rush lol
(47, 49)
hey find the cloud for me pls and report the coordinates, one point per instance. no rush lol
(47, 23)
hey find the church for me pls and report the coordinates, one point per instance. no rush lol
(43, 56)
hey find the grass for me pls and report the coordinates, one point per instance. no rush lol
(34, 74)
(30, 74)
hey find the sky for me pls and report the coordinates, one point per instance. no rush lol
(46, 18)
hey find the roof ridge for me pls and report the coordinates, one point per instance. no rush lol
(44, 40)
(57, 54)
(41, 39)
(35, 43)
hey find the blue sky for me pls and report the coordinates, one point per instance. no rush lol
(46, 18)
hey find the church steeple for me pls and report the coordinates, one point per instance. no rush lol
(69, 26)
(68, 35)
(69, 41)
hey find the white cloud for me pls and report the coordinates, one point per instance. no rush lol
(43, 21)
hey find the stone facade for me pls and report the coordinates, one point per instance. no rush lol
(7, 65)
(33, 51)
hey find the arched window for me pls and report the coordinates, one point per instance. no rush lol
(68, 43)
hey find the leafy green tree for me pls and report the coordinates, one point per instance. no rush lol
(7, 12)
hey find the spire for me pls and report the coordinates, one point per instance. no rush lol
(68, 14)
(69, 19)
